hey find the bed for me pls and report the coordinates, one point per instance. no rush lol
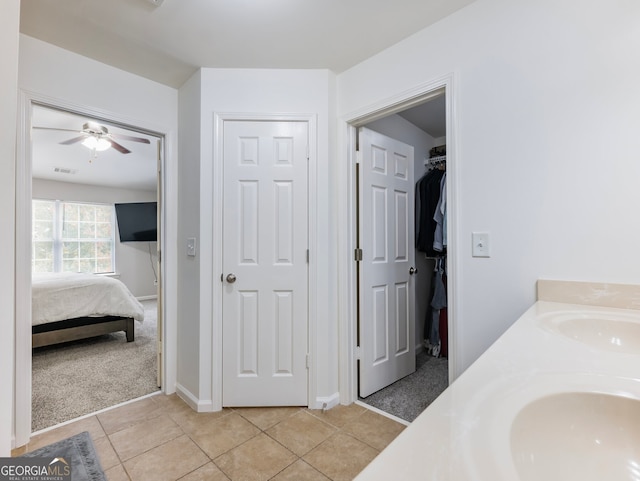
(68, 306)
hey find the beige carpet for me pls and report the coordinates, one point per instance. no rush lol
(82, 377)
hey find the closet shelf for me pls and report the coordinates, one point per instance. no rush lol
(435, 160)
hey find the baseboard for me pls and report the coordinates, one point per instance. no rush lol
(326, 402)
(200, 406)
(147, 298)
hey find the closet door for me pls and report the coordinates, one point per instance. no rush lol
(386, 285)
(265, 240)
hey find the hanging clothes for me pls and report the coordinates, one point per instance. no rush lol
(428, 192)
(438, 303)
(444, 324)
(440, 216)
(431, 238)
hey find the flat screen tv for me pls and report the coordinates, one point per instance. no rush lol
(137, 221)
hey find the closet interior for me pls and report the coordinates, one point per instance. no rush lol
(424, 128)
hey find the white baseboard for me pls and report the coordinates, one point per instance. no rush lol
(200, 406)
(147, 298)
(326, 402)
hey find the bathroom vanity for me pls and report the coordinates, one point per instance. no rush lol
(556, 397)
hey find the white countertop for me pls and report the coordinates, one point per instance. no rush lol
(465, 434)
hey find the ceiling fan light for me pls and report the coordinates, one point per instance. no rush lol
(103, 144)
(95, 143)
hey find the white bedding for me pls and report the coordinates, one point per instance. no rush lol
(56, 297)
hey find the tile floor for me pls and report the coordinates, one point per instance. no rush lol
(160, 438)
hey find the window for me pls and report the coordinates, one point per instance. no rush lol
(72, 237)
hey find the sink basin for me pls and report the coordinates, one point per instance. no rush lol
(616, 333)
(577, 435)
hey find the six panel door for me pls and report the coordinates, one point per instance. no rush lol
(265, 242)
(386, 233)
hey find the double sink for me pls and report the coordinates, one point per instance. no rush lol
(590, 431)
(555, 398)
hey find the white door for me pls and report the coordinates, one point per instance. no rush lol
(386, 237)
(265, 314)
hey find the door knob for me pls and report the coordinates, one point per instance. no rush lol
(412, 271)
(231, 278)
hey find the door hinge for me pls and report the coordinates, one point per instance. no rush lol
(308, 361)
(308, 155)
(358, 157)
(307, 256)
(358, 353)
(357, 254)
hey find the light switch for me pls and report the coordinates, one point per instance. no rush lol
(480, 242)
(191, 246)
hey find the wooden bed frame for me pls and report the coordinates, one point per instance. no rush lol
(80, 328)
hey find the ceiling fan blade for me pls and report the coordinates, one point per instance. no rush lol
(128, 137)
(53, 128)
(118, 147)
(74, 140)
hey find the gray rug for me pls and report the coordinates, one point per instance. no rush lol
(411, 395)
(78, 452)
(81, 377)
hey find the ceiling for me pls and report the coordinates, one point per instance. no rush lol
(136, 170)
(168, 43)
(429, 116)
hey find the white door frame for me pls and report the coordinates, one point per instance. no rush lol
(216, 237)
(168, 266)
(347, 293)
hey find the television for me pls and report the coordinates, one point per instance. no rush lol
(137, 221)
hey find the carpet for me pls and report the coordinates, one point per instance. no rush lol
(82, 377)
(78, 452)
(409, 396)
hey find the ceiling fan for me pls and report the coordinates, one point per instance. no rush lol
(97, 137)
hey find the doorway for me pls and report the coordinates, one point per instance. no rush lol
(385, 118)
(146, 282)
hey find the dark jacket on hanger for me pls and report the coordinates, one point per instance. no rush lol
(427, 197)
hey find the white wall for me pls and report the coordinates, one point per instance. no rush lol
(267, 92)
(132, 258)
(9, 24)
(53, 75)
(400, 129)
(547, 113)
